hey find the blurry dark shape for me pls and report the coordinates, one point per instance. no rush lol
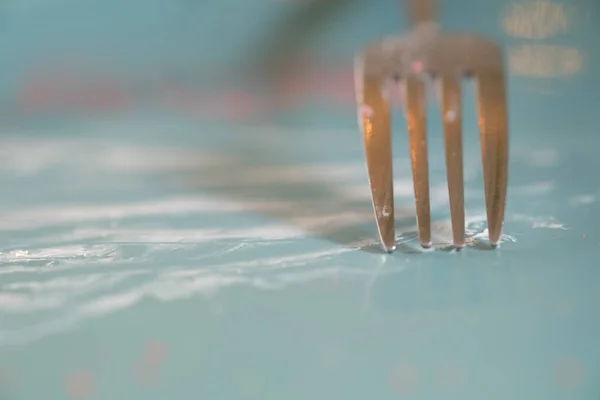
(314, 198)
(275, 56)
(422, 12)
(276, 53)
(309, 201)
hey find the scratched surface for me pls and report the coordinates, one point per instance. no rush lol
(159, 239)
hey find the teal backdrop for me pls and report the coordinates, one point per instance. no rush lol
(164, 233)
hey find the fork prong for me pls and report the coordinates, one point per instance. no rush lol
(417, 132)
(493, 126)
(375, 121)
(452, 117)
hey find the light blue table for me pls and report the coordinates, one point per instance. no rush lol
(162, 254)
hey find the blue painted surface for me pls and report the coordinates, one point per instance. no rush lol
(151, 255)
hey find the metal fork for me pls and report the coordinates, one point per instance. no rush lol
(412, 59)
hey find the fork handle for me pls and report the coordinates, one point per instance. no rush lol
(422, 11)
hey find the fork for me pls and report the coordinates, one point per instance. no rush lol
(412, 59)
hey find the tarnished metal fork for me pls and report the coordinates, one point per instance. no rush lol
(412, 59)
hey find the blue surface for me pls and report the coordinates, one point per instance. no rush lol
(152, 254)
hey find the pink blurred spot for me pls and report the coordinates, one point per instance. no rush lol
(155, 354)
(59, 89)
(106, 95)
(239, 106)
(343, 91)
(417, 67)
(46, 93)
(80, 384)
(366, 111)
(396, 92)
(569, 373)
(310, 79)
(147, 371)
(335, 83)
(404, 379)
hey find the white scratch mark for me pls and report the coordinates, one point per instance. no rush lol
(583, 199)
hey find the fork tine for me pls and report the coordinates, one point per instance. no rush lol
(375, 122)
(417, 132)
(451, 109)
(493, 126)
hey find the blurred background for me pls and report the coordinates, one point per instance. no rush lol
(233, 60)
(185, 208)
